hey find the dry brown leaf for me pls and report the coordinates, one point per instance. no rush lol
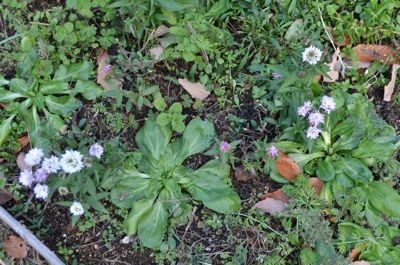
(334, 68)
(242, 175)
(354, 254)
(5, 196)
(271, 206)
(160, 31)
(286, 167)
(21, 162)
(276, 195)
(15, 247)
(382, 53)
(23, 141)
(389, 88)
(346, 41)
(196, 90)
(317, 185)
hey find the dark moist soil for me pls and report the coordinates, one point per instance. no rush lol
(386, 110)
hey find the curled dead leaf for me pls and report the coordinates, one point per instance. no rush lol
(242, 174)
(389, 88)
(160, 31)
(15, 247)
(286, 167)
(354, 253)
(334, 68)
(317, 185)
(381, 53)
(276, 195)
(156, 52)
(270, 206)
(23, 141)
(196, 90)
(21, 162)
(5, 196)
(104, 70)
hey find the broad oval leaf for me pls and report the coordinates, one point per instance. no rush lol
(356, 170)
(384, 198)
(5, 129)
(139, 209)
(7, 96)
(61, 105)
(153, 224)
(74, 72)
(325, 170)
(153, 139)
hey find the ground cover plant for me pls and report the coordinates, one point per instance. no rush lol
(202, 131)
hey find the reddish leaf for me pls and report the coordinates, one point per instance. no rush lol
(21, 162)
(317, 184)
(242, 175)
(286, 167)
(5, 196)
(23, 141)
(15, 247)
(382, 53)
(276, 195)
(354, 253)
(196, 90)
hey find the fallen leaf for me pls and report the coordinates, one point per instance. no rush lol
(15, 247)
(295, 30)
(104, 70)
(381, 53)
(317, 185)
(160, 31)
(196, 90)
(346, 41)
(242, 175)
(286, 167)
(3, 105)
(354, 253)
(334, 68)
(276, 195)
(156, 52)
(23, 141)
(271, 206)
(5, 196)
(360, 262)
(21, 162)
(389, 88)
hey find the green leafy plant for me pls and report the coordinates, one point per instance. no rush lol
(173, 117)
(160, 187)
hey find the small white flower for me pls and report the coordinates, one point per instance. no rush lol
(51, 165)
(328, 104)
(316, 119)
(34, 156)
(41, 191)
(76, 208)
(312, 55)
(305, 109)
(72, 161)
(26, 178)
(63, 190)
(96, 150)
(313, 133)
(41, 175)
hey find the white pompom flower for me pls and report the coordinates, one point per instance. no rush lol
(41, 191)
(313, 133)
(328, 104)
(76, 209)
(312, 55)
(71, 161)
(96, 150)
(52, 164)
(34, 156)
(26, 178)
(316, 118)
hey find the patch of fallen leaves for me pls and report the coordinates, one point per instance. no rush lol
(15, 247)
(196, 90)
(286, 167)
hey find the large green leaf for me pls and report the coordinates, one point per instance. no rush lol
(89, 89)
(5, 129)
(198, 136)
(325, 170)
(153, 224)
(139, 209)
(54, 87)
(74, 72)
(7, 96)
(61, 105)
(177, 5)
(20, 86)
(384, 198)
(356, 170)
(380, 148)
(212, 189)
(153, 139)
(303, 159)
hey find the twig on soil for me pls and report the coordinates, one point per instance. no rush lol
(187, 227)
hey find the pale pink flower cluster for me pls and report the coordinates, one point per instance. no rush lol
(315, 118)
